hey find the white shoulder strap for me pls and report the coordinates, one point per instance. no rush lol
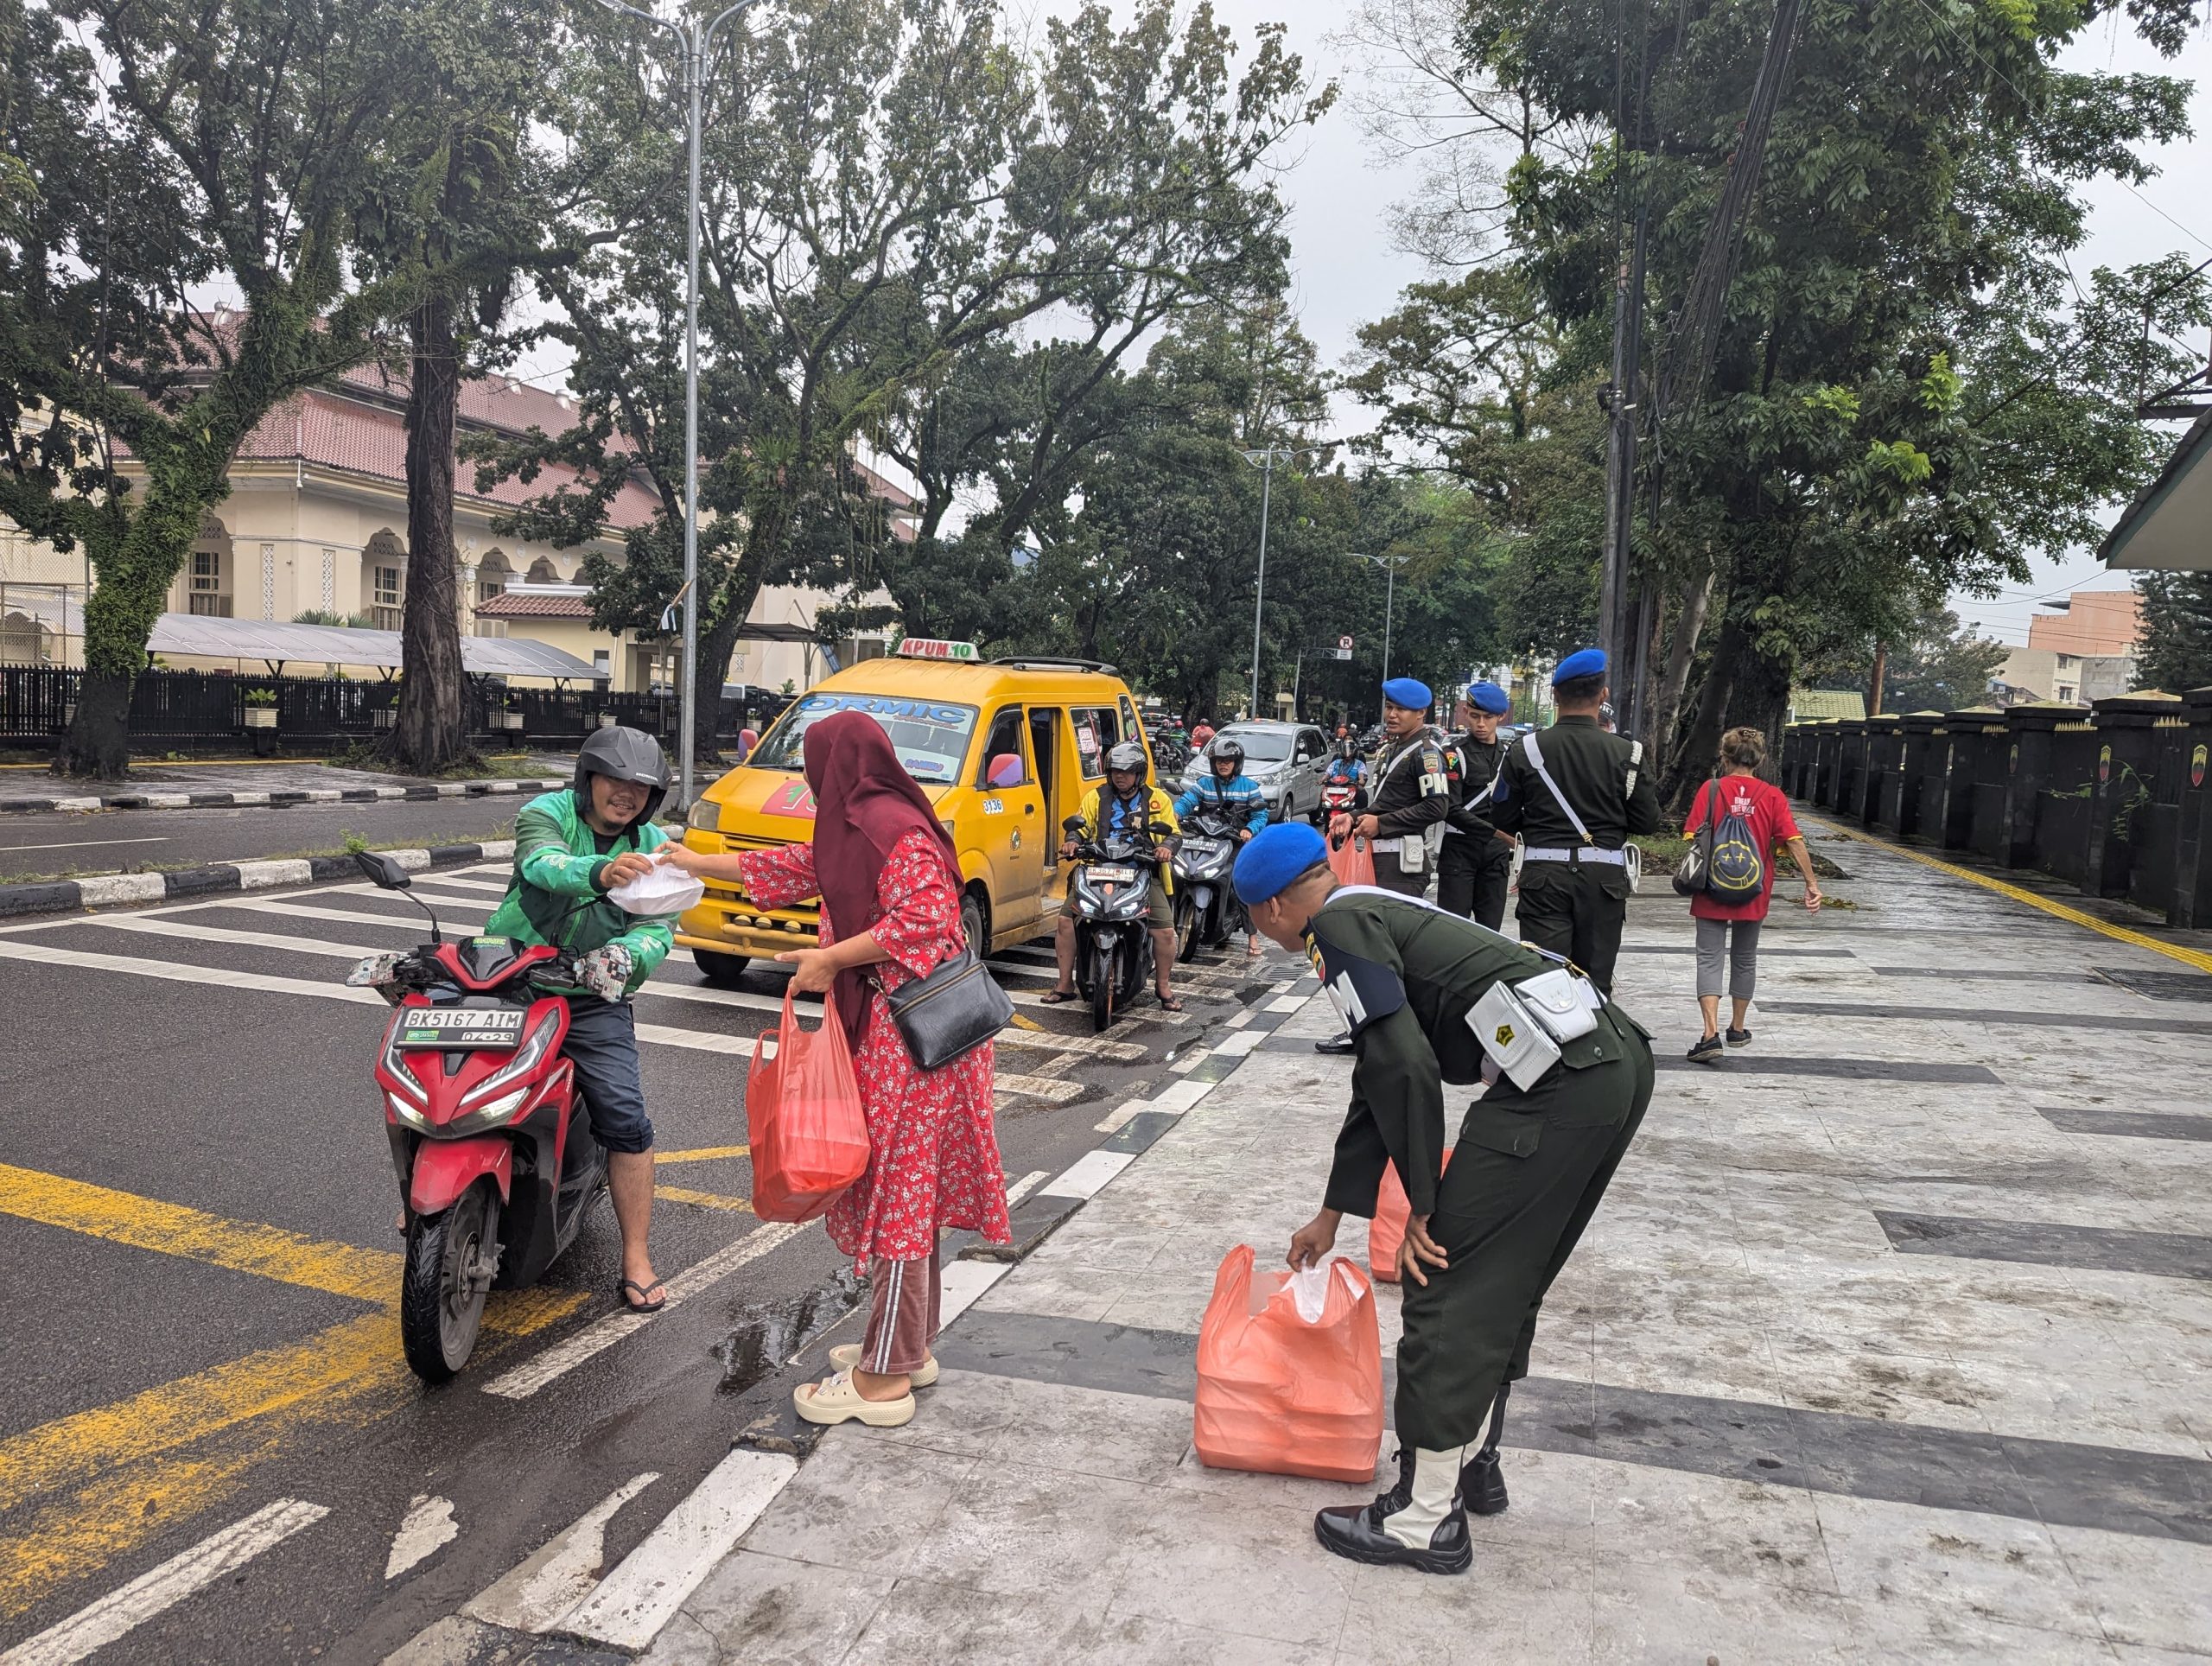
(1535, 757)
(1635, 763)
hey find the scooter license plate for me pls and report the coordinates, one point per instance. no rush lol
(1113, 875)
(455, 1028)
(1202, 849)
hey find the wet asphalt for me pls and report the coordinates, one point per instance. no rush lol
(60, 845)
(257, 1107)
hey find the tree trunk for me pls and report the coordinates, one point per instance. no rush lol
(1694, 762)
(133, 581)
(1666, 696)
(432, 734)
(716, 644)
(1881, 675)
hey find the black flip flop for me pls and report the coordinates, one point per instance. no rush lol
(623, 1287)
(1058, 997)
(1173, 1003)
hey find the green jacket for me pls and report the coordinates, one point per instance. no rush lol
(557, 865)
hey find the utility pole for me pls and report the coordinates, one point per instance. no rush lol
(1264, 459)
(1389, 565)
(1613, 624)
(694, 41)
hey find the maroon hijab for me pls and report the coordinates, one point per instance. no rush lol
(864, 804)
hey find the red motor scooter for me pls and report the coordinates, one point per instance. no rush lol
(1337, 798)
(496, 1166)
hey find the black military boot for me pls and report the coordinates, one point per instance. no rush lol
(1417, 1523)
(1482, 1483)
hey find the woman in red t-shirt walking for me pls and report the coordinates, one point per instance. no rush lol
(1729, 933)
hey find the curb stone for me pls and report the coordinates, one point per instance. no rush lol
(351, 795)
(115, 890)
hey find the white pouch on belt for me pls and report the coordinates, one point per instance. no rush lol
(1566, 1005)
(1511, 1036)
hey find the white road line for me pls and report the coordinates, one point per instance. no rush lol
(1190, 1060)
(412, 920)
(1142, 1014)
(427, 1528)
(79, 844)
(1037, 1087)
(596, 1338)
(120, 1612)
(560, 1574)
(454, 878)
(1088, 1175)
(963, 1281)
(1287, 1003)
(177, 972)
(1028, 1184)
(1237, 1046)
(633, 1602)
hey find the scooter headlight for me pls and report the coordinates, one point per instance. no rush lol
(527, 1058)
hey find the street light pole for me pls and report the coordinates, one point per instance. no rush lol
(1389, 565)
(1264, 459)
(694, 41)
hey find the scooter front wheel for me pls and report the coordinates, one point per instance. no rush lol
(451, 1259)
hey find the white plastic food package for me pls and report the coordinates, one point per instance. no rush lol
(662, 890)
(1309, 1287)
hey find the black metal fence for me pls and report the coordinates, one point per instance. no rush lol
(2114, 799)
(205, 707)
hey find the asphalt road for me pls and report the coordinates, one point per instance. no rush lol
(62, 845)
(197, 1202)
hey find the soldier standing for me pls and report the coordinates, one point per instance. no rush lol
(1574, 794)
(1489, 1234)
(1412, 792)
(1476, 864)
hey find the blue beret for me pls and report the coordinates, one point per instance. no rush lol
(1488, 696)
(1585, 661)
(1275, 856)
(1408, 692)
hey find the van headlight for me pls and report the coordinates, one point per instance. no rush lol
(705, 815)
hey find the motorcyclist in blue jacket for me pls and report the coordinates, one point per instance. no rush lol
(1225, 786)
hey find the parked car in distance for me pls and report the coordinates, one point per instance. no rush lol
(1284, 760)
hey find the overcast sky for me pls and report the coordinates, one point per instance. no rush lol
(1348, 273)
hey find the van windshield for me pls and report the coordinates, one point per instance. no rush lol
(930, 736)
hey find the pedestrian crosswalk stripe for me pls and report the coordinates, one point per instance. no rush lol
(157, 1590)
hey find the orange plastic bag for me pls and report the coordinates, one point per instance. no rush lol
(1281, 1393)
(1353, 861)
(1393, 1209)
(803, 1117)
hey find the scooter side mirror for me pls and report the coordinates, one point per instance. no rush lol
(1160, 830)
(1073, 824)
(383, 871)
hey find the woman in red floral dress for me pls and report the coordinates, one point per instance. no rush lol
(887, 873)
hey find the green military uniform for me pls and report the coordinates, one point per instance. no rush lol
(1413, 792)
(1529, 1167)
(1573, 891)
(1475, 867)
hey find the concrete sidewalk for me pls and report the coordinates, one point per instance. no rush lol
(1892, 1341)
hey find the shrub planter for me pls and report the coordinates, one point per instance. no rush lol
(509, 721)
(261, 717)
(387, 718)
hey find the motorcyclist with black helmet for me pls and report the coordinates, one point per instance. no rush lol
(1127, 803)
(1225, 786)
(572, 846)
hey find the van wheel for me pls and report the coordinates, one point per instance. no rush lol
(973, 925)
(721, 970)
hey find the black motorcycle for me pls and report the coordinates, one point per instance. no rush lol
(1109, 895)
(1205, 908)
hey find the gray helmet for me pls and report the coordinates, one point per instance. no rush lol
(623, 754)
(1127, 755)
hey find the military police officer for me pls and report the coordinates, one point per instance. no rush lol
(1574, 794)
(1488, 1235)
(1411, 792)
(1476, 863)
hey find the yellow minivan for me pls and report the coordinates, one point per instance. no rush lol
(1005, 748)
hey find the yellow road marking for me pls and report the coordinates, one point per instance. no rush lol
(1021, 1022)
(2197, 957)
(705, 1200)
(703, 1154)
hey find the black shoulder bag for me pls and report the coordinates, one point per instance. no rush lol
(953, 1011)
(1697, 861)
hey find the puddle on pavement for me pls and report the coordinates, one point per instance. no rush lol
(768, 1333)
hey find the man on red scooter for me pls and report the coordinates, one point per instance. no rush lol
(572, 846)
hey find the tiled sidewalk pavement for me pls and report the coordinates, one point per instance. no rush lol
(1892, 1342)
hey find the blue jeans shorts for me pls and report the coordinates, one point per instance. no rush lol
(602, 1044)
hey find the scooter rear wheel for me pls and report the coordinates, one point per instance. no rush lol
(450, 1260)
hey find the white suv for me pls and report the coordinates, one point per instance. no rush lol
(1284, 760)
